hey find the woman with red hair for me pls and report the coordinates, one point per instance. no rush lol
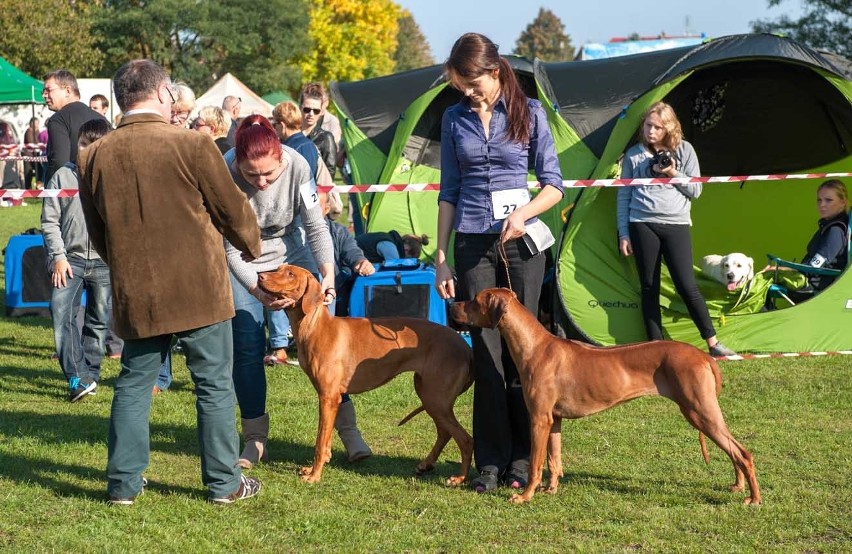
(282, 192)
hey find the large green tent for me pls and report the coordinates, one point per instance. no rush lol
(751, 105)
(16, 87)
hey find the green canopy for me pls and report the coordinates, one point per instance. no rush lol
(277, 97)
(16, 87)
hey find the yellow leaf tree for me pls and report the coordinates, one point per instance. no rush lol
(352, 40)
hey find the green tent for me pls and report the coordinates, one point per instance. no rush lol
(751, 105)
(780, 108)
(16, 87)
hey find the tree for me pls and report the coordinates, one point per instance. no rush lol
(412, 49)
(56, 35)
(824, 25)
(198, 42)
(545, 39)
(352, 40)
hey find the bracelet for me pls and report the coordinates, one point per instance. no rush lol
(331, 291)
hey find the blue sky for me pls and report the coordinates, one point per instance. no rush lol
(443, 21)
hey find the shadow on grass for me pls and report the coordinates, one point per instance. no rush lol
(9, 346)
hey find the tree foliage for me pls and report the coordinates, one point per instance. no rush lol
(412, 49)
(198, 42)
(545, 39)
(825, 24)
(51, 34)
(351, 40)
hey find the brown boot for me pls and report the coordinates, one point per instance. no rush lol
(255, 432)
(347, 430)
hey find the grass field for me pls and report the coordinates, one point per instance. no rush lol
(635, 480)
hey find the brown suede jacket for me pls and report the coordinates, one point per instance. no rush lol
(157, 201)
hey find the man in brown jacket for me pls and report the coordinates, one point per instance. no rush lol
(157, 200)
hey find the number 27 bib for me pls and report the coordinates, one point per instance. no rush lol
(505, 202)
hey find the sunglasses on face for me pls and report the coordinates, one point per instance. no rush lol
(315, 111)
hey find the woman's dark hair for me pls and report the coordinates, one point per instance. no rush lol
(93, 130)
(415, 244)
(473, 55)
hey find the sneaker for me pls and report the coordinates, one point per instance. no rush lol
(719, 350)
(515, 481)
(115, 501)
(249, 486)
(78, 389)
(486, 482)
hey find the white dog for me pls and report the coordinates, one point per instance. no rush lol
(733, 270)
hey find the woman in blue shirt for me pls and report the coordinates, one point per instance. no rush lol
(490, 140)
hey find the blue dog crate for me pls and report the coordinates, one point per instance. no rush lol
(28, 286)
(402, 287)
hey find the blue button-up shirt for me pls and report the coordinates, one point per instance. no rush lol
(472, 166)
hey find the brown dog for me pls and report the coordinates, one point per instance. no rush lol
(342, 354)
(568, 379)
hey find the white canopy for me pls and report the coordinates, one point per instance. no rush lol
(229, 85)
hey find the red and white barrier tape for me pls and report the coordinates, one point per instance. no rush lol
(740, 357)
(24, 159)
(569, 183)
(6, 149)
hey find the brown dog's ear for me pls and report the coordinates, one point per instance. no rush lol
(312, 298)
(497, 302)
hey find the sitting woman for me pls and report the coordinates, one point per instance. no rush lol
(829, 247)
(379, 246)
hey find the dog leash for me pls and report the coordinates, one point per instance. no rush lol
(505, 259)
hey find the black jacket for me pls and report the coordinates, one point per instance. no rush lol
(326, 146)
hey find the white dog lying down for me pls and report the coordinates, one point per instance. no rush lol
(733, 270)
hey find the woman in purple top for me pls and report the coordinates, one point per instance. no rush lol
(489, 142)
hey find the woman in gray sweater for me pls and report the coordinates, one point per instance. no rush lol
(654, 221)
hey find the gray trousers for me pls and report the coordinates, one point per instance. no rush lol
(208, 356)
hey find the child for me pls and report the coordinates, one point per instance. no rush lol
(75, 266)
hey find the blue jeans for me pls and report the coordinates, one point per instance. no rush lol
(80, 351)
(250, 333)
(208, 357)
(278, 325)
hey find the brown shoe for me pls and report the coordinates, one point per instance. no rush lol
(276, 357)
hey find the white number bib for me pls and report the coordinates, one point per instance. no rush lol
(505, 202)
(310, 196)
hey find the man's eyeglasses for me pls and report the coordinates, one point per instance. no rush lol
(172, 96)
(315, 111)
(46, 91)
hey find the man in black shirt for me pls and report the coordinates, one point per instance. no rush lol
(62, 95)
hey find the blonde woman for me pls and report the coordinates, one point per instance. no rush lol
(654, 221)
(216, 122)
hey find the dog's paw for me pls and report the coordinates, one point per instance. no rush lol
(518, 499)
(456, 480)
(423, 468)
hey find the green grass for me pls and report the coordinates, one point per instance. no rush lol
(634, 480)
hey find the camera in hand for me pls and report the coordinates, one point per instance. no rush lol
(663, 159)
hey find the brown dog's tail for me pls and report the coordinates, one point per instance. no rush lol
(411, 415)
(703, 447)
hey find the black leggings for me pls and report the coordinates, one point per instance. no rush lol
(652, 243)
